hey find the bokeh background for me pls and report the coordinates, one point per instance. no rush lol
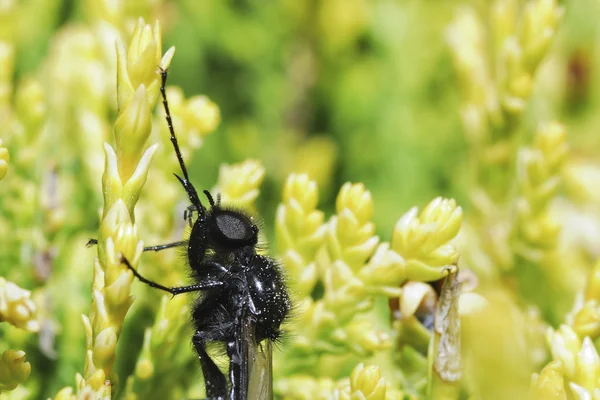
(469, 100)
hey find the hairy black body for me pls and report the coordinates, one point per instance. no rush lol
(251, 298)
(243, 300)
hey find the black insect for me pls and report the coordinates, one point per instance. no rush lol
(244, 298)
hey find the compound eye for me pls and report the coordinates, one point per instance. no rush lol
(234, 226)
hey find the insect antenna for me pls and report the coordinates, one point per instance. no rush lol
(211, 201)
(185, 181)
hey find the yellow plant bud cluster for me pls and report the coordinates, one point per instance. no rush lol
(136, 67)
(424, 240)
(497, 85)
(585, 316)
(126, 169)
(539, 177)
(300, 231)
(16, 306)
(347, 259)
(364, 383)
(86, 391)
(14, 370)
(331, 324)
(574, 371)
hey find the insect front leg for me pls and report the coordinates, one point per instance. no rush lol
(204, 285)
(93, 242)
(215, 382)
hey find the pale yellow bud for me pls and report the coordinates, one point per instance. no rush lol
(385, 272)
(549, 385)
(16, 306)
(13, 369)
(300, 188)
(586, 321)
(201, 116)
(538, 28)
(117, 224)
(564, 344)
(588, 366)
(105, 344)
(471, 303)
(144, 369)
(239, 183)
(138, 66)
(368, 381)
(132, 129)
(357, 199)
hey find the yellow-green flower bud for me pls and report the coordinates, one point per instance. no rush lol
(4, 159)
(549, 385)
(351, 234)
(13, 369)
(133, 186)
(238, 184)
(86, 391)
(503, 19)
(423, 242)
(201, 116)
(471, 303)
(118, 226)
(366, 383)
(588, 366)
(384, 273)
(16, 306)
(538, 28)
(138, 66)
(564, 344)
(132, 129)
(446, 216)
(299, 225)
(104, 346)
(144, 369)
(586, 321)
(357, 199)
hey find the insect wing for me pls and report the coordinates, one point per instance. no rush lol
(260, 362)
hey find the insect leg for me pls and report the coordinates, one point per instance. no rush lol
(188, 214)
(214, 380)
(165, 246)
(93, 242)
(174, 290)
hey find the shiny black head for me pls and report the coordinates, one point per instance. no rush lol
(232, 229)
(221, 230)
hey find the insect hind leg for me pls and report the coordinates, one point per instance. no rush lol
(214, 380)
